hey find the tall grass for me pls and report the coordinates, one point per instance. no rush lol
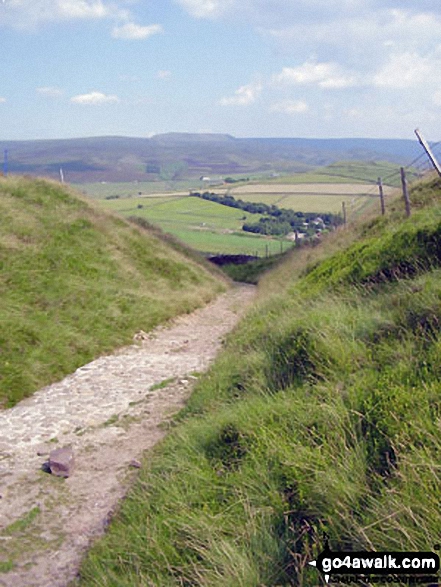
(76, 282)
(321, 415)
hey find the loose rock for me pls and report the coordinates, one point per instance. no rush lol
(141, 335)
(61, 461)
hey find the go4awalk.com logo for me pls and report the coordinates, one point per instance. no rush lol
(412, 568)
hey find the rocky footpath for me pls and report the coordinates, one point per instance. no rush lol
(106, 415)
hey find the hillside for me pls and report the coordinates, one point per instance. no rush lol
(321, 415)
(180, 156)
(354, 172)
(76, 282)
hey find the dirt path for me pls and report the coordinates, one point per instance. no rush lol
(108, 413)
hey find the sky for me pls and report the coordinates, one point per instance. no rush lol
(249, 68)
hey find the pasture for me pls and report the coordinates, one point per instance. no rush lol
(313, 197)
(135, 188)
(351, 172)
(206, 226)
(212, 228)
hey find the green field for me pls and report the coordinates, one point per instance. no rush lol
(182, 211)
(206, 226)
(312, 197)
(349, 172)
(312, 177)
(232, 244)
(306, 202)
(212, 228)
(125, 189)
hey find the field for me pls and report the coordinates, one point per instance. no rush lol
(205, 226)
(212, 228)
(135, 188)
(313, 197)
(358, 172)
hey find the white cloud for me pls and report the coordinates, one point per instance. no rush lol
(406, 70)
(436, 98)
(74, 9)
(25, 14)
(50, 92)
(164, 74)
(206, 8)
(290, 107)
(2, 100)
(94, 98)
(243, 96)
(132, 31)
(264, 11)
(326, 75)
(364, 33)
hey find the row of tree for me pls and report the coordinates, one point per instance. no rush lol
(277, 221)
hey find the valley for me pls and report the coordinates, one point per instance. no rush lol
(223, 445)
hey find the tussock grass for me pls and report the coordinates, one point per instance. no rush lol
(321, 415)
(77, 282)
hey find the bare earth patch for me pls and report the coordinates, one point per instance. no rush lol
(110, 411)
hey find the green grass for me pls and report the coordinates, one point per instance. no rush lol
(321, 415)
(205, 226)
(22, 523)
(317, 176)
(308, 202)
(231, 244)
(187, 211)
(6, 566)
(162, 384)
(19, 532)
(125, 189)
(349, 172)
(76, 282)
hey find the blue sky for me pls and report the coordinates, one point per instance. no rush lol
(250, 68)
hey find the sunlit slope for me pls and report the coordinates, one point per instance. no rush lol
(76, 282)
(322, 415)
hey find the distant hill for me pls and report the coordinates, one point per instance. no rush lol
(77, 282)
(187, 156)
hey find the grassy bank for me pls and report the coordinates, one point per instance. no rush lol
(321, 415)
(77, 282)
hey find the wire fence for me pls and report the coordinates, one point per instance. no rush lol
(407, 176)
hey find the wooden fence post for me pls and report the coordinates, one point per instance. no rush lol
(380, 188)
(405, 191)
(428, 150)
